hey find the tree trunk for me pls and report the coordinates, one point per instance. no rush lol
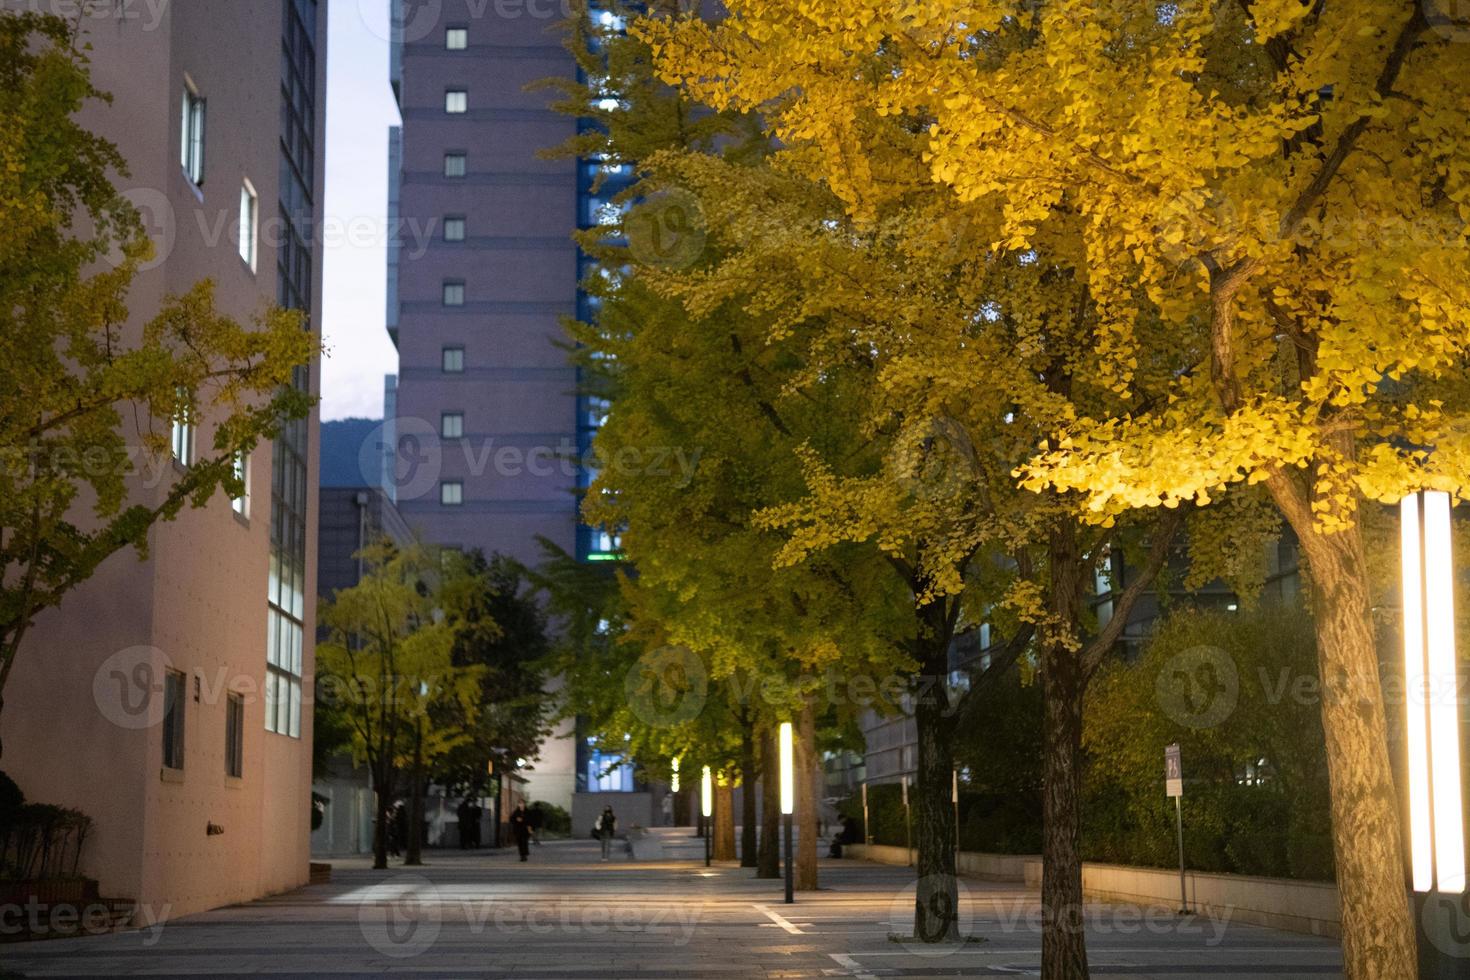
(383, 798)
(414, 855)
(936, 901)
(724, 841)
(768, 863)
(1063, 942)
(1378, 938)
(748, 780)
(806, 772)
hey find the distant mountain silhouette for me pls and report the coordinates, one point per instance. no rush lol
(342, 443)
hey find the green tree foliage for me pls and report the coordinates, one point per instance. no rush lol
(88, 393)
(1241, 695)
(388, 661)
(501, 633)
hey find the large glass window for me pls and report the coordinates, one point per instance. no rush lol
(609, 773)
(286, 588)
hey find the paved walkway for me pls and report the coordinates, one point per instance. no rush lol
(565, 915)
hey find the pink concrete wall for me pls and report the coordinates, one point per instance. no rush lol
(199, 601)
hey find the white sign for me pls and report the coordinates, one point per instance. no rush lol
(1173, 771)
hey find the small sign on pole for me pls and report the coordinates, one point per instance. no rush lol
(1173, 772)
(1174, 788)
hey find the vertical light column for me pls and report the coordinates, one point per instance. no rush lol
(788, 803)
(706, 806)
(1436, 812)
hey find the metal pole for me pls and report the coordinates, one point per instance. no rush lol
(790, 866)
(706, 842)
(1179, 826)
(867, 835)
(908, 823)
(954, 792)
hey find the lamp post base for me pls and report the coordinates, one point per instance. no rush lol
(1442, 925)
(790, 863)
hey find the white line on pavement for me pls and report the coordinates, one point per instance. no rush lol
(853, 967)
(779, 920)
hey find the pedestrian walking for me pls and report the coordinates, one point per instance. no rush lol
(520, 826)
(607, 828)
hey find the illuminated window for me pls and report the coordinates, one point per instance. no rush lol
(456, 101)
(191, 140)
(451, 493)
(249, 224)
(456, 39)
(454, 293)
(454, 229)
(453, 360)
(451, 425)
(454, 164)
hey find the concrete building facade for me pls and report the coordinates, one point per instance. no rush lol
(164, 697)
(489, 426)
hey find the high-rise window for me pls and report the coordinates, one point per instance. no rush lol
(183, 434)
(453, 360)
(241, 504)
(173, 719)
(249, 223)
(451, 425)
(451, 493)
(456, 38)
(454, 164)
(453, 293)
(456, 101)
(235, 736)
(454, 229)
(191, 139)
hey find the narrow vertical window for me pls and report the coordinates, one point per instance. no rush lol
(249, 224)
(241, 504)
(235, 736)
(191, 139)
(173, 720)
(183, 432)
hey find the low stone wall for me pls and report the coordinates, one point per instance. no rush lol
(1294, 906)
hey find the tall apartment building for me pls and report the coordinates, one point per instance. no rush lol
(164, 698)
(489, 425)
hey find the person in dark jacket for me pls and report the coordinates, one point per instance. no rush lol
(607, 827)
(537, 817)
(520, 826)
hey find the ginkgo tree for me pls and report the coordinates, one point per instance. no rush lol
(1289, 182)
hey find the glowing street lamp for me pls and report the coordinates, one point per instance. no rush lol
(706, 806)
(788, 803)
(1432, 736)
(1436, 816)
(674, 783)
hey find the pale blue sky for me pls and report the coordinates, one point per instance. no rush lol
(360, 109)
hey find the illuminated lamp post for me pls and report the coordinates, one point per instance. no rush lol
(788, 804)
